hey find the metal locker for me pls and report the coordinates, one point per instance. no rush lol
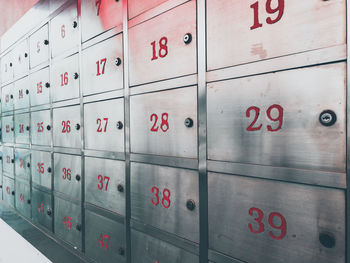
(102, 66)
(23, 198)
(104, 238)
(6, 67)
(41, 127)
(99, 16)
(41, 168)
(68, 221)
(242, 31)
(39, 46)
(165, 123)
(1, 160)
(105, 184)
(164, 47)
(7, 124)
(64, 34)
(7, 98)
(21, 59)
(39, 91)
(280, 222)
(68, 175)
(42, 208)
(104, 125)
(277, 119)
(65, 79)
(66, 127)
(21, 94)
(136, 7)
(22, 128)
(145, 249)
(8, 161)
(8, 186)
(166, 198)
(22, 164)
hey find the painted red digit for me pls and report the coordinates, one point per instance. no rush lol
(154, 50)
(282, 227)
(163, 47)
(106, 122)
(40, 126)
(256, 24)
(8, 159)
(98, 6)
(21, 163)
(67, 222)
(8, 190)
(279, 118)
(41, 168)
(21, 197)
(155, 191)
(106, 178)
(166, 198)
(257, 113)
(66, 126)
(21, 128)
(270, 10)
(155, 117)
(257, 219)
(164, 125)
(103, 63)
(101, 240)
(7, 128)
(7, 98)
(100, 184)
(64, 79)
(63, 31)
(39, 87)
(98, 121)
(41, 208)
(20, 94)
(66, 174)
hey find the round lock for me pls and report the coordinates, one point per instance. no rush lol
(328, 118)
(76, 75)
(0, 157)
(77, 126)
(49, 170)
(11, 96)
(28, 201)
(13, 192)
(0, 129)
(27, 92)
(78, 227)
(12, 129)
(10, 64)
(188, 38)
(25, 55)
(119, 125)
(46, 42)
(48, 212)
(327, 239)
(188, 122)
(120, 188)
(118, 62)
(0, 186)
(77, 177)
(28, 165)
(27, 128)
(121, 251)
(48, 127)
(47, 85)
(75, 24)
(12, 161)
(191, 205)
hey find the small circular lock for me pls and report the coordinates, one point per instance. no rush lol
(77, 177)
(78, 227)
(191, 205)
(118, 62)
(28, 165)
(28, 201)
(49, 212)
(11, 96)
(120, 188)
(13, 192)
(327, 239)
(12, 161)
(48, 127)
(0, 157)
(46, 42)
(27, 128)
(328, 118)
(49, 170)
(12, 129)
(10, 64)
(188, 122)
(75, 24)
(188, 38)
(47, 85)
(76, 75)
(27, 92)
(121, 251)
(119, 125)
(77, 126)
(25, 55)
(0, 186)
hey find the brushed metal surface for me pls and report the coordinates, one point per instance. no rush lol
(308, 211)
(22, 128)
(8, 161)
(172, 216)
(40, 86)
(102, 66)
(100, 121)
(21, 94)
(178, 140)
(40, 121)
(8, 127)
(64, 83)
(66, 133)
(21, 59)
(8, 186)
(136, 7)
(22, 164)
(23, 198)
(301, 28)
(68, 176)
(39, 46)
(302, 142)
(99, 16)
(41, 167)
(63, 34)
(6, 63)
(7, 94)
(66, 212)
(180, 59)
(104, 238)
(145, 249)
(42, 212)
(101, 191)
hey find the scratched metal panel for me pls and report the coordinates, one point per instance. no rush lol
(42, 209)
(8, 185)
(105, 184)
(22, 164)
(7, 124)
(299, 140)
(280, 222)
(65, 79)
(68, 175)
(21, 59)
(21, 94)
(22, 128)
(104, 125)
(39, 90)
(23, 198)
(8, 161)
(136, 7)
(145, 249)
(98, 16)
(41, 127)
(158, 123)
(66, 127)
(102, 66)
(7, 97)
(7, 67)
(68, 222)
(296, 26)
(149, 62)
(39, 46)
(41, 168)
(104, 238)
(166, 198)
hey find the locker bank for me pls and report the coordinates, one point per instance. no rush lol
(178, 131)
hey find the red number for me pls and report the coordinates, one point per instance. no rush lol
(21, 163)
(21, 128)
(66, 127)
(103, 63)
(39, 88)
(257, 113)
(67, 222)
(257, 24)
(279, 118)
(154, 128)
(282, 227)
(8, 159)
(63, 31)
(165, 199)
(41, 168)
(64, 79)
(101, 240)
(163, 48)
(269, 10)
(155, 191)
(98, 5)
(41, 208)
(21, 197)
(99, 123)
(7, 128)
(101, 180)
(7, 98)
(257, 219)
(164, 126)
(40, 126)
(8, 190)
(67, 174)
(20, 94)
